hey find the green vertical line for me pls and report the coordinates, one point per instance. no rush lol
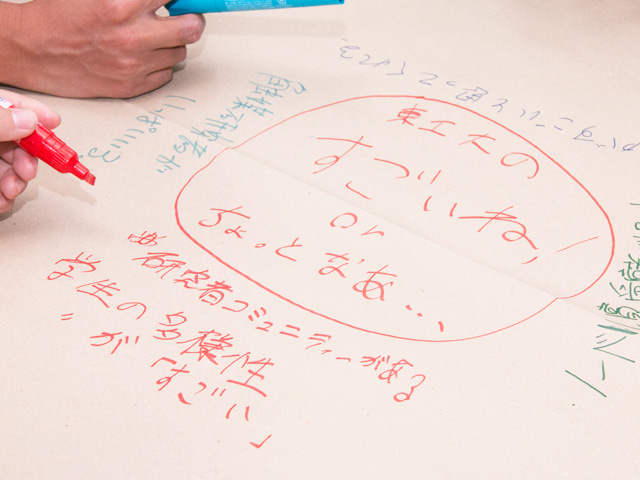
(586, 383)
(603, 375)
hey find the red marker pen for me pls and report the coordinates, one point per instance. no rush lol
(43, 144)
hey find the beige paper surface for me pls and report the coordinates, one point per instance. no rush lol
(382, 240)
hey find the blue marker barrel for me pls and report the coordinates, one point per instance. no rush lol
(179, 7)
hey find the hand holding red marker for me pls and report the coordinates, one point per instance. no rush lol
(46, 146)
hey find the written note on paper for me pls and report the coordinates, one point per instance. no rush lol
(397, 216)
(258, 100)
(195, 359)
(615, 337)
(423, 77)
(401, 216)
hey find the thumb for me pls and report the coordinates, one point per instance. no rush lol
(16, 123)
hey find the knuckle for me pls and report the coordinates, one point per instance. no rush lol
(116, 11)
(127, 66)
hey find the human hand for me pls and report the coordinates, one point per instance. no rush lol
(17, 167)
(93, 48)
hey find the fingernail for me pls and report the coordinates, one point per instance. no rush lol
(24, 119)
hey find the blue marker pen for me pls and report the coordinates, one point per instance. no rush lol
(179, 7)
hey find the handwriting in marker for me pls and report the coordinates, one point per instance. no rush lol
(464, 203)
(257, 314)
(259, 445)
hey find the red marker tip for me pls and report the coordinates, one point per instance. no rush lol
(90, 179)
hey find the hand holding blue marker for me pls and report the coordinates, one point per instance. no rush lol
(179, 7)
